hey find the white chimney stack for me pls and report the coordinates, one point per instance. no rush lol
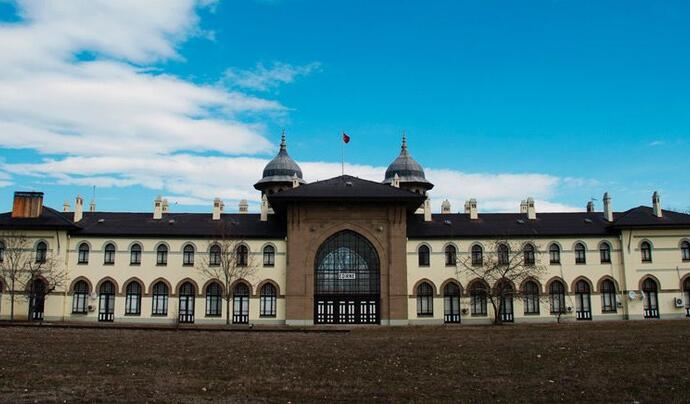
(295, 181)
(244, 205)
(92, 205)
(531, 210)
(65, 206)
(165, 207)
(656, 204)
(218, 206)
(608, 209)
(471, 208)
(396, 181)
(78, 209)
(445, 206)
(523, 206)
(158, 208)
(427, 210)
(590, 207)
(264, 208)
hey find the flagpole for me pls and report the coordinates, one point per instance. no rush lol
(342, 154)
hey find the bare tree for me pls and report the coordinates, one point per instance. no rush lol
(500, 269)
(228, 260)
(21, 266)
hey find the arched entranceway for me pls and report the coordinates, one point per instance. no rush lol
(37, 299)
(186, 303)
(106, 302)
(346, 289)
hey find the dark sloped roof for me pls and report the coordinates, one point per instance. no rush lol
(49, 219)
(508, 225)
(643, 216)
(347, 188)
(119, 224)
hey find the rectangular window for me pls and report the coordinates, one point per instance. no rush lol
(160, 305)
(268, 306)
(557, 303)
(133, 304)
(605, 254)
(580, 257)
(162, 258)
(79, 303)
(608, 302)
(213, 305)
(269, 257)
(425, 306)
(531, 304)
(478, 304)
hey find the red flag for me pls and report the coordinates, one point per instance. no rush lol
(346, 138)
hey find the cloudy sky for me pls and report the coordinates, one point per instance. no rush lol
(558, 100)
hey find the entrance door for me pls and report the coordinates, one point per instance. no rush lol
(346, 289)
(583, 307)
(507, 315)
(240, 304)
(106, 302)
(651, 302)
(38, 300)
(451, 303)
(186, 305)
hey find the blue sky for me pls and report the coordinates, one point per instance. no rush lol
(559, 100)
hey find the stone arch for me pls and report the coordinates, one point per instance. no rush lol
(609, 278)
(123, 291)
(425, 280)
(264, 282)
(450, 280)
(106, 242)
(70, 291)
(238, 281)
(102, 281)
(576, 242)
(649, 276)
(573, 284)
(310, 255)
(171, 291)
(194, 246)
(547, 285)
(197, 291)
(682, 281)
(532, 279)
(208, 283)
(476, 281)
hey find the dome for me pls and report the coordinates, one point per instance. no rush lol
(282, 169)
(408, 170)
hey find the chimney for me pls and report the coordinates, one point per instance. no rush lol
(656, 204)
(427, 210)
(396, 181)
(264, 208)
(472, 209)
(445, 206)
(295, 182)
(531, 211)
(78, 208)
(590, 207)
(523, 206)
(244, 205)
(218, 206)
(608, 211)
(165, 206)
(158, 208)
(66, 207)
(92, 205)
(27, 204)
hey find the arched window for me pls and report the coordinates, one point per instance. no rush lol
(554, 254)
(213, 300)
(135, 255)
(685, 251)
(580, 254)
(608, 297)
(162, 255)
(269, 256)
(425, 300)
(451, 303)
(188, 255)
(451, 255)
(214, 255)
(37, 298)
(109, 254)
(478, 299)
(557, 297)
(240, 304)
(531, 295)
(185, 302)
(41, 252)
(133, 299)
(242, 255)
(686, 289)
(651, 298)
(79, 296)
(477, 255)
(505, 292)
(2, 251)
(646, 251)
(159, 299)
(267, 300)
(423, 256)
(605, 253)
(106, 302)
(528, 252)
(83, 256)
(583, 308)
(503, 254)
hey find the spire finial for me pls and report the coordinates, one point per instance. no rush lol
(283, 144)
(404, 141)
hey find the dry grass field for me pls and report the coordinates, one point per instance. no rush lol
(611, 362)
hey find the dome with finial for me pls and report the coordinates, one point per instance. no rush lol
(282, 169)
(407, 169)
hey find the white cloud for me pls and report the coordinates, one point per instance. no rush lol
(263, 78)
(656, 143)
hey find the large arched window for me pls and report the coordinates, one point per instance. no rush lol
(242, 255)
(528, 253)
(503, 254)
(133, 299)
(423, 256)
(214, 255)
(478, 299)
(685, 251)
(646, 251)
(605, 253)
(608, 296)
(83, 256)
(37, 298)
(451, 255)
(106, 302)
(451, 303)
(580, 254)
(186, 296)
(531, 296)
(41, 252)
(651, 298)
(213, 300)
(425, 300)
(583, 309)
(188, 255)
(109, 254)
(159, 300)
(267, 300)
(557, 297)
(240, 304)
(554, 254)
(135, 254)
(269, 256)
(477, 255)
(162, 255)
(79, 297)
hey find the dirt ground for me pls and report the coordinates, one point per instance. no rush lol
(612, 362)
